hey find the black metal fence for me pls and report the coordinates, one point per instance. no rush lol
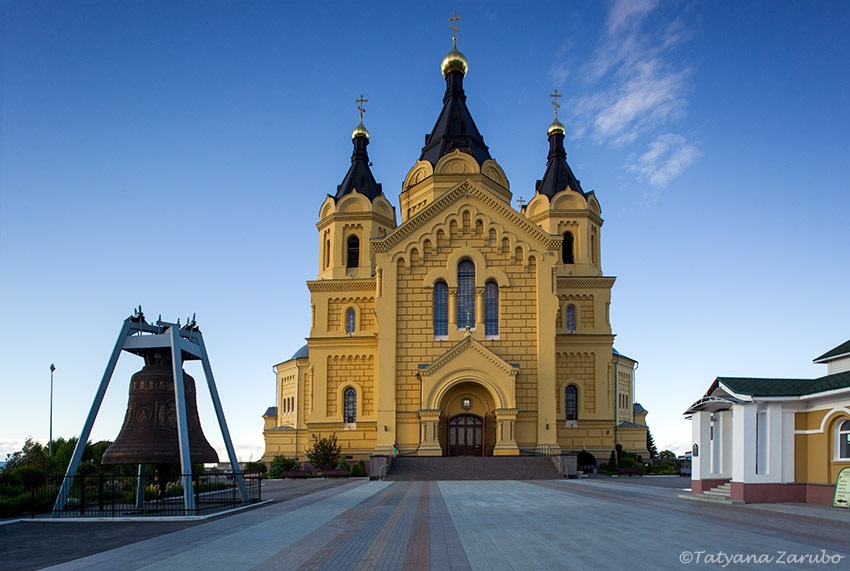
(106, 495)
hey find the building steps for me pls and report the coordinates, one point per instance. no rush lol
(720, 495)
(430, 468)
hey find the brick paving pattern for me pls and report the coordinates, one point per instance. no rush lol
(541, 524)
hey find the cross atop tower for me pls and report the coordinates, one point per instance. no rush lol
(555, 96)
(454, 19)
(360, 106)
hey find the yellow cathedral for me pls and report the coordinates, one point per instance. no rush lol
(467, 327)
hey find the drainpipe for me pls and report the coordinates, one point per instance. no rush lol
(634, 396)
(616, 404)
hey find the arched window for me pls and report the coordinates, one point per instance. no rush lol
(466, 294)
(441, 309)
(491, 309)
(567, 249)
(571, 318)
(350, 405)
(843, 440)
(571, 402)
(350, 320)
(353, 260)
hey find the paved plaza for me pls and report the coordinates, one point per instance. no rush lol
(638, 523)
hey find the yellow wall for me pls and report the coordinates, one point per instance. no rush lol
(408, 382)
(815, 452)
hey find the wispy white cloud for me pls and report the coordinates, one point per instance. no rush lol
(633, 86)
(668, 156)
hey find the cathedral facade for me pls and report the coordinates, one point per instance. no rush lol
(458, 324)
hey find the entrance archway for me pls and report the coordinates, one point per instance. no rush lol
(466, 436)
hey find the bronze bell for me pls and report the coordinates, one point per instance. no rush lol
(149, 433)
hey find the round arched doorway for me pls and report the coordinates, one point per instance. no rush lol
(467, 424)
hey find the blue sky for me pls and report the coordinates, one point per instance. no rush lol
(175, 155)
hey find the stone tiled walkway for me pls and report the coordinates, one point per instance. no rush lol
(554, 524)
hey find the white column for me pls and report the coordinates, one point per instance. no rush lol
(701, 463)
(744, 442)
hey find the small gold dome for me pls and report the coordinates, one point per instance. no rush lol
(454, 60)
(360, 131)
(556, 127)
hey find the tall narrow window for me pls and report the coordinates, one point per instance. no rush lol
(571, 402)
(441, 310)
(350, 320)
(568, 253)
(353, 252)
(593, 248)
(491, 309)
(327, 253)
(844, 440)
(466, 294)
(571, 318)
(350, 405)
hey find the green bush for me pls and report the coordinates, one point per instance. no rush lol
(255, 467)
(666, 467)
(342, 464)
(281, 464)
(358, 470)
(628, 462)
(324, 453)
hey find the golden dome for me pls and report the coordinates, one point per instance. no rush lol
(454, 60)
(556, 127)
(360, 131)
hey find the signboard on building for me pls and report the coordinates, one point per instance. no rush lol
(841, 499)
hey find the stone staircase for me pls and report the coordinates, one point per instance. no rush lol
(720, 495)
(430, 468)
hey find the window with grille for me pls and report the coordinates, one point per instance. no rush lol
(350, 405)
(350, 320)
(844, 440)
(491, 309)
(571, 318)
(441, 309)
(465, 294)
(353, 260)
(571, 402)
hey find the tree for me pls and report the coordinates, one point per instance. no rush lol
(667, 455)
(650, 445)
(325, 452)
(255, 467)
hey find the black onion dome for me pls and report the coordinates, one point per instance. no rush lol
(558, 175)
(455, 128)
(359, 176)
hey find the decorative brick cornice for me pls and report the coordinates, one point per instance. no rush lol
(586, 282)
(568, 214)
(341, 285)
(355, 217)
(466, 188)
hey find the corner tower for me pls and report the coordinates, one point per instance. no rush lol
(561, 207)
(358, 212)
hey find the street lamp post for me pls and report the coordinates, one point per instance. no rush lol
(50, 445)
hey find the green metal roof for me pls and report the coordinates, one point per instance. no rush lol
(843, 349)
(760, 387)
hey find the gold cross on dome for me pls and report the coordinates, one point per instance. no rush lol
(555, 96)
(360, 106)
(454, 28)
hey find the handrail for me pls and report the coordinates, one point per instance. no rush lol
(540, 450)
